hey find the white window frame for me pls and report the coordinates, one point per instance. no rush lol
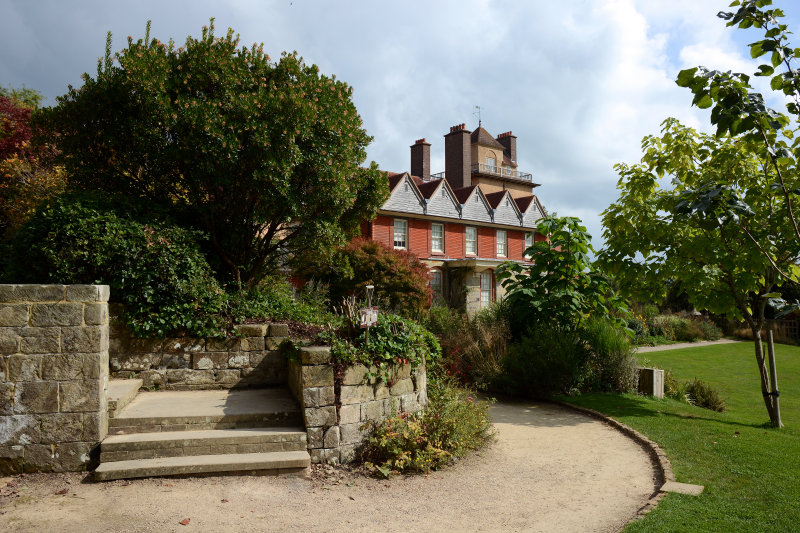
(528, 242)
(437, 243)
(486, 288)
(474, 241)
(403, 233)
(502, 244)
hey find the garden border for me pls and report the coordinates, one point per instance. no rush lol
(657, 455)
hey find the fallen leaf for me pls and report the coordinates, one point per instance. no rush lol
(62, 492)
(352, 498)
(224, 501)
(127, 483)
(184, 522)
(713, 442)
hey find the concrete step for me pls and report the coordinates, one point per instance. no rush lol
(263, 463)
(202, 442)
(203, 410)
(120, 394)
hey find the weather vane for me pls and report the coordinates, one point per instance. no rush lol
(477, 113)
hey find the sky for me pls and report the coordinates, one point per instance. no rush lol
(579, 82)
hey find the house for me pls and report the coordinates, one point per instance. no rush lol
(463, 222)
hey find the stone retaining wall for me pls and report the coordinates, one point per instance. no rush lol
(335, 410)
(53, 376)
(251, 360)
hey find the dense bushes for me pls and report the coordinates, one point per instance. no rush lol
(156, 270)
(453, 424)
(612, 365)
(399, 278)
(659, 329)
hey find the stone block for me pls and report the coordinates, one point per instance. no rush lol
(356, 394)
(315, 437)
(153, 378)
(420, 378)
(35, 293)
(14, 315)
(347, 453)
(250, 330)
(651, 382)
(250, 344)
(40, 340)
(7, 398)
(278, 330)
(146, 345)
(103, 293)
(36, 397)
(95, 314)
(372, 410)
(381, 391)
(318, 396)
(257, 357)
(351, 433)
(320, 416)
(190, 377)
(401, 371)
(318, 376)
(95, 426)
(135, 361)
(274, 343)
(176, 360)
(24, 367)
(355, 375)
(315, 355)
(95, 365)
(3, 368)
(84, 339)
(238, 360)
(79, 396)
(62, 366)
(210, 360)
(9, 341)
(61, 427)
(408, 403)
(184, 345)
(324, 456)
(222, 345)
(327, 396)
(56, 314)
(350, 414)
(391, 406)
(332, 437)
(20, 430)
(403, 386)
(83, 293)
(228, 377)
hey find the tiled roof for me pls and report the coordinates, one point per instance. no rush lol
(481, 136)
(427, 188)
(463, 193)
(507, 161)
(394, 179)
(524, 202)
(494, 198)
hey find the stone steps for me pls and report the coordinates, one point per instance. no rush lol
(120, 393)
(259, 463)
(204, 442)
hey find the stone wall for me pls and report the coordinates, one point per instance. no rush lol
(251, 359)
(53, 375)
(335, 408)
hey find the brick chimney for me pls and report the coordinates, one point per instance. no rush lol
(421, 159)
(509, 142)
(457, 159)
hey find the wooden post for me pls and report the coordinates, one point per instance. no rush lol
(773, 377)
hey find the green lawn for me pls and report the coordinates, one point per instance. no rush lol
(751, 471)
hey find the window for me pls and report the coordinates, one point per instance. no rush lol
(491, 163)
(436, 284)
(437, 237)
(400, 233)
(502, 245)
(508, 170)
(472, 240)
(486, 289)
(528, 242)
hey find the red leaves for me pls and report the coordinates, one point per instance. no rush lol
(185, 522)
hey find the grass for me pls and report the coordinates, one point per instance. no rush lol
(751, 471)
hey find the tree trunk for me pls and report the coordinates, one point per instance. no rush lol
(769, 400)
(773, 377)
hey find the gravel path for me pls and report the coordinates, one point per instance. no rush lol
(679, 345)
(551, 469)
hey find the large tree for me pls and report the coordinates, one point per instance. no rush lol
(263, 155)
(699, 210)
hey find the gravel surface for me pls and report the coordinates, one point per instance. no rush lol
(679, 345)
(550, 469)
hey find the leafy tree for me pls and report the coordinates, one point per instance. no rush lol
(30, 98)
(703, 228)
(562, 286)
(263, 155)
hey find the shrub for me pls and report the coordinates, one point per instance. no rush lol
(274, 299)
(702, 394)
(709, 330)
(399, 278)
(392, 340)
(473, 348)
(612, 364)
(156, 270)
(673, 388)
(544, 363)
(453, 424)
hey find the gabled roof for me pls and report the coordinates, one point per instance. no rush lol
(524, 202)
(464, 193)
(427, 188)
(483, 137)
(494, 198)
(394, 179)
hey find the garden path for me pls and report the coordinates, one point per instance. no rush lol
(551, 469)
(679, 345)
